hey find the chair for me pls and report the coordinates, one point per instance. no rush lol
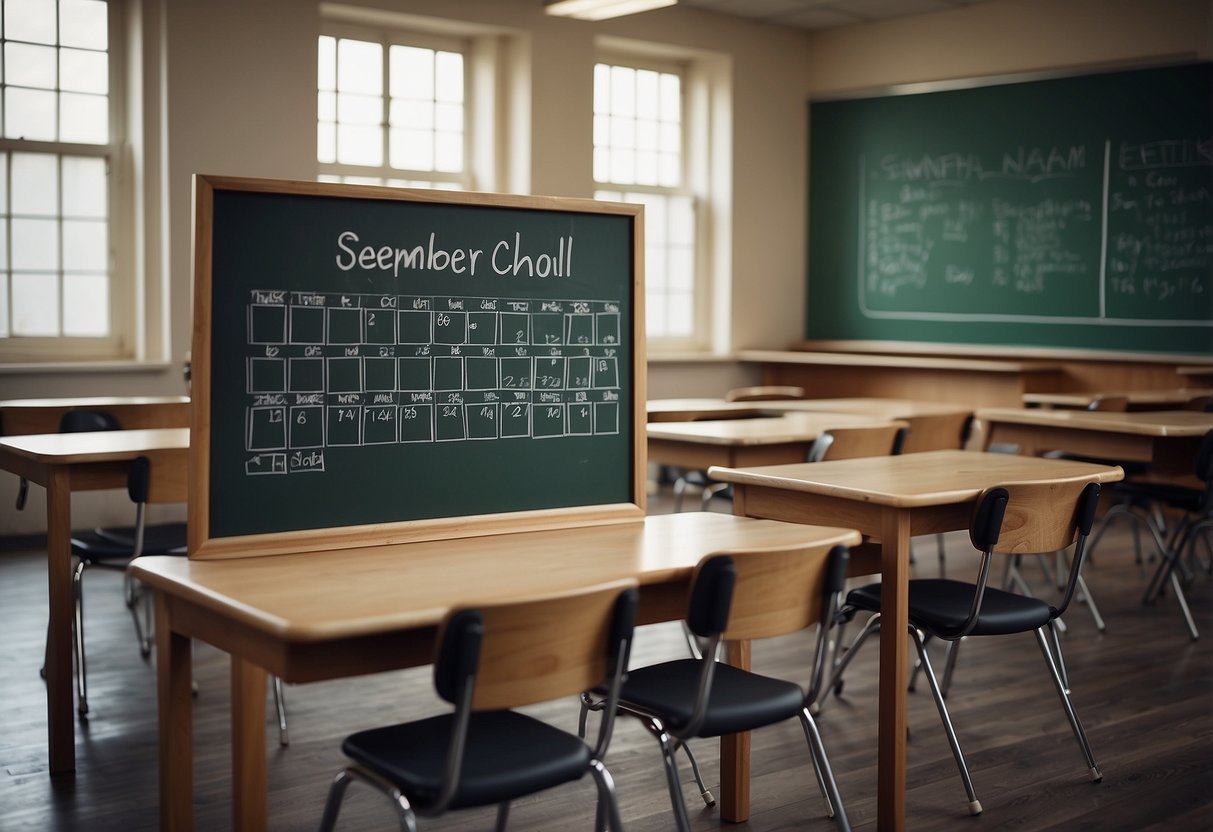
(699, 479)
(112, 549)
(764, 393)
(73, 421)
(490, 660)
(1008, 520)
(856, 442)
(1141, 495)
(736, 596)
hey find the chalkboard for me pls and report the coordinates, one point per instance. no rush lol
(384, 365)
(1072, 213)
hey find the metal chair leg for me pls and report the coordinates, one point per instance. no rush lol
(1064, 693)
(668, 750)
(825, 774)
(974, 803)
(606, 798)
(704, 791)
(835, 681)
(284, 738)
(503, 816)
(78, 639)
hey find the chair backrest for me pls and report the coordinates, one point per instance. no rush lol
(1031, 517)
(533, 650)
(766, 392)
(1035, 516)
(860, 441)
(1200, 403)
(761, 593)
(79, 421)
(1110, 404)
(945, 432)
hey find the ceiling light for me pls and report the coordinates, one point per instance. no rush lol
(602, 9)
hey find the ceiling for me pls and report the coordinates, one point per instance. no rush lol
(824, 14)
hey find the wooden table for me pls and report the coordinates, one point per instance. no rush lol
(765, 440)
(23, 416)
(1171, 399)
(324, 615)
(890, 499)
(63, 463)
(1164, 439)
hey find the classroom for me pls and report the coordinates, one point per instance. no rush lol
(893, 214)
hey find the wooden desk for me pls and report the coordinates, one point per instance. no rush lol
(63, 463)
(694, 410)
(1174, 398)
(1165, 439)
(766, 440)
(973, 382)
(889, 499)
(24, 416)
(324, 615)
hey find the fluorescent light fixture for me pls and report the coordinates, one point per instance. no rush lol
(602, 9)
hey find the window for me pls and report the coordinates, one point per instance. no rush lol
(640, 156)
(391, 110)
(58, 297)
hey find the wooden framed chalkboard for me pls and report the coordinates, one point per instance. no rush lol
(1070, 213)
(376, 365)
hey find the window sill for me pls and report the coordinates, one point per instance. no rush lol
(117, 366)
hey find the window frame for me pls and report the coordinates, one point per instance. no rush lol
(690, 186)
(125, 300)
(388, 35)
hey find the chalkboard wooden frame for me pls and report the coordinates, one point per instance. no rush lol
(1111, 262)
(214, 536)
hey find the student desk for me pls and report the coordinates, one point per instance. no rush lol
(933, 425)
(1165, 439)
(889, 499)
(63, 463)
(22, 416)
(1172, 399)
(764, 440)
(324, 615)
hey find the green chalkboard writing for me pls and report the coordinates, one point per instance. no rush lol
(1074, 212)
(379, 356)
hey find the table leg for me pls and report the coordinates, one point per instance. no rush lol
(248, 747)
(60, 722)
(173, 675)
(894, 654)
(735, 754)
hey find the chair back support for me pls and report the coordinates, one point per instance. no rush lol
(1110, 404)
(770, 392)
(779, 591)
(535, 650)
(938, 432)
(1033, 517)
(79, 421)
(856, 442)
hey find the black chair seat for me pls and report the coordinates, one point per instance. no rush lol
(508, 755)
(116, 544)
(942, 606)
(1177, 496)
(739, 700)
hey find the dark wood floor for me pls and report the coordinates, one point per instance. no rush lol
(1143, 690)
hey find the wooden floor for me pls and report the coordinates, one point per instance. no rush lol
(1143, 689)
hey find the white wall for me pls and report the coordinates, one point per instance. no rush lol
(239, 99)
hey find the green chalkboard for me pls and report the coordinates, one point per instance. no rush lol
(1072, 212)
(379, 359)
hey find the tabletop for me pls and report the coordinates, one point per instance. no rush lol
(1140, 398)
(761, 430)
(92, 446)
(911, 480)
(354, 592)
(1144, 423)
